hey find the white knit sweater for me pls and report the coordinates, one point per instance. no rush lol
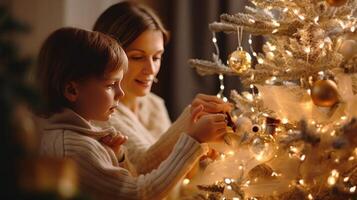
(67, 134)
(150, 136)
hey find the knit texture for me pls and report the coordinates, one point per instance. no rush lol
(149, 143)
(67, 134)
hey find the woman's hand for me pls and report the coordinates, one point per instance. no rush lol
(207, 127)
(211, 104)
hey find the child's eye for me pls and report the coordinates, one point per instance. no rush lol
(112, 85)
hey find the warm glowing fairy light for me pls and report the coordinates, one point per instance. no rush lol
(302, 17)
(302, 158)
(275, 31)
(353, 189)
(316, 19)
(289, 53)
(346, 179)
(186, 181)
(227, 181)
(332, 179)
(333, 133)
(301, 182)
(214, 40)
(351, 158)
(310, 197)
(275, 23)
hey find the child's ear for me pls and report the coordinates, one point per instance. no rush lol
(71, 91)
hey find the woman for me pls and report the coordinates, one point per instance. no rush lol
(142, 115)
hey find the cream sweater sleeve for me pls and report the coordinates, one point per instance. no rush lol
(145, 158)
(105, 181)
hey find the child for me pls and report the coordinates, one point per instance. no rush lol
(79, 76)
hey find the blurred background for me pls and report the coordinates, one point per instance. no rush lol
(187, 21)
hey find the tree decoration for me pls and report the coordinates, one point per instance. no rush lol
(295, 136)
(324, 93)
(240, 61)
(336, 3)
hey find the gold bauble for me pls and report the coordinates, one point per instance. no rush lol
(348, 48)
(336, 3)
(240, 61)
(324, 93)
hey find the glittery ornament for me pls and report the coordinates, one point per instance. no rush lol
(348, 49)
(244, 124)
(240, 61)
(261, 148)
(336, 3)
(324, 93)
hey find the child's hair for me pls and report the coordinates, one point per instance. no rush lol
(72, 54)
(125, 21)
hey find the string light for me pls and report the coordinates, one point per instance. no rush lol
(310, 197)
(332, 179)
(220, 94)
(186, 181)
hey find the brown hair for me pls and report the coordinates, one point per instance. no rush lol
(71, 54)
(125, 21)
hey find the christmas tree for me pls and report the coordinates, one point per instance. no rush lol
(297, 120)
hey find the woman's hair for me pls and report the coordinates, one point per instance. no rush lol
(71, 54)
(125, 21)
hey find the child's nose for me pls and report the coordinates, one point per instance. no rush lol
(119, 92)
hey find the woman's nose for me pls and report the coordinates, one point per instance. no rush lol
(150, 67)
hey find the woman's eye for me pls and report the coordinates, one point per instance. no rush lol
(136, 57)
(157, 58)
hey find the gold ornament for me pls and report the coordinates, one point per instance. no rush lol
(240, 61)
(348, 49)
(324, 93)
(336, 3)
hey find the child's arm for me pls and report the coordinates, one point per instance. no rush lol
(145, 159)
(105, 180)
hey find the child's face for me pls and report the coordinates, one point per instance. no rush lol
(144, 55)
(98, 97)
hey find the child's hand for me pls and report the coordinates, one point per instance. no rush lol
(207, 127)
(211, 104)
(114, 142)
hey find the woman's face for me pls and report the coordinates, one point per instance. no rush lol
(144, 55)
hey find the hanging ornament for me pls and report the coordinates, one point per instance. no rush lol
(324, 93)
(348, 48)
(244, 124)
(240, 60)
(262, 148)
(336, 3)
